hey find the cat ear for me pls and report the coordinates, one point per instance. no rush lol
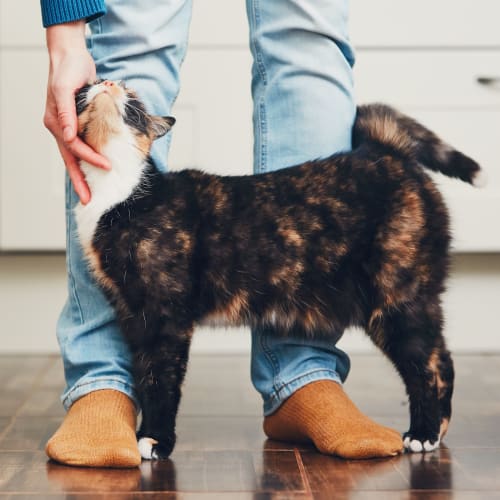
(161, 125)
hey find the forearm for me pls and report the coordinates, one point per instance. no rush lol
(65, 38)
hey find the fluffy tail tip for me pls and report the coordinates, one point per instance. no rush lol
(480, 179)
(456, 164)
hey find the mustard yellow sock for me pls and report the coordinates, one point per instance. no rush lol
(97, 431)
(322, 413)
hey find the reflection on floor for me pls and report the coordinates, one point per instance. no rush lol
(222, 451)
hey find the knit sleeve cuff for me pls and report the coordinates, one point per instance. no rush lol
(64, 11)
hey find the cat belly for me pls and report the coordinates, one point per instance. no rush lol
(237, 313)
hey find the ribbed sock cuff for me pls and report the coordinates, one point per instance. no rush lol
(64, 11)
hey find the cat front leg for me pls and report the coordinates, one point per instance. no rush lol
(159, 369)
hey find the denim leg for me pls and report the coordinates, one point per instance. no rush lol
(304, 108)
(143, 45)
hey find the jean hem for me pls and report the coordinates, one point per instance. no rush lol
(85, 388)
(278, 397)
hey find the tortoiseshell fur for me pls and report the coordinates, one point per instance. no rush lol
(357, 239)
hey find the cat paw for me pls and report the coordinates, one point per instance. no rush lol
(151, 449)
(416, 445)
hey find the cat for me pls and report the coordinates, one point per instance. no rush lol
(357, 239)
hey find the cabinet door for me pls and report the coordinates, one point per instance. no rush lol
(31, 171)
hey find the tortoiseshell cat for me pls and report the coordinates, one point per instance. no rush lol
(357, 239)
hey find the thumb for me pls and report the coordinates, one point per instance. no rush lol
(66, 114)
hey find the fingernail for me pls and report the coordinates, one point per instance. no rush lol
(67, 133)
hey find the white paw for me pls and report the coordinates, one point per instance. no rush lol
(428, 446)
(145, 445)
(416, 446)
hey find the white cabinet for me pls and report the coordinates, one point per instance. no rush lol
(423, 57)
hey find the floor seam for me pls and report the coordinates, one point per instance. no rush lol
(303, 473)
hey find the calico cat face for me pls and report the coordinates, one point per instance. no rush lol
(107, 109)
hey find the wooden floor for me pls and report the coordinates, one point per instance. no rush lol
(222, 452)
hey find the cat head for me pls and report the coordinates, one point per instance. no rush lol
(108, 109)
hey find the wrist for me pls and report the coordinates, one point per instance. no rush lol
(66, 38)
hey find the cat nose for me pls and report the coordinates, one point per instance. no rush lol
(108, 83)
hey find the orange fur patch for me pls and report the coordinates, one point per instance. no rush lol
(443, 428)
(232, 313)
(433, 367)
(100, 121)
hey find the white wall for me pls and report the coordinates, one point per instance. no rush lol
(33, 289)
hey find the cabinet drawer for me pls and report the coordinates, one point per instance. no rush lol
(428, 78)
(426, 23)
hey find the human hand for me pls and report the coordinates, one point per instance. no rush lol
(71, 67)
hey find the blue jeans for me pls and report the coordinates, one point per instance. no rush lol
(303, 109)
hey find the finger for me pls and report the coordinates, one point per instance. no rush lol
(75, 174)
(62, 123)
(84, 152)
(66, 112)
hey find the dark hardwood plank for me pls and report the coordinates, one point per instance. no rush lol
(429, 471)
(278, 471)
(43, 403)
(19, 374)
(217, 471)
(220, 432)
(222, 471)
(328, 475)
(29, 433)
(475, 469)
(45, 400)
(29, 472)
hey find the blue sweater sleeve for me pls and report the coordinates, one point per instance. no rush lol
(63, 11)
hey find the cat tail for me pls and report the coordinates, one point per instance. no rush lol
(383, 125)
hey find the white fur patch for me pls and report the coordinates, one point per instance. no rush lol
(99, 89)
(108, 188)
(480, 180)
(428, 446)
(416, 446)
(145, 445)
